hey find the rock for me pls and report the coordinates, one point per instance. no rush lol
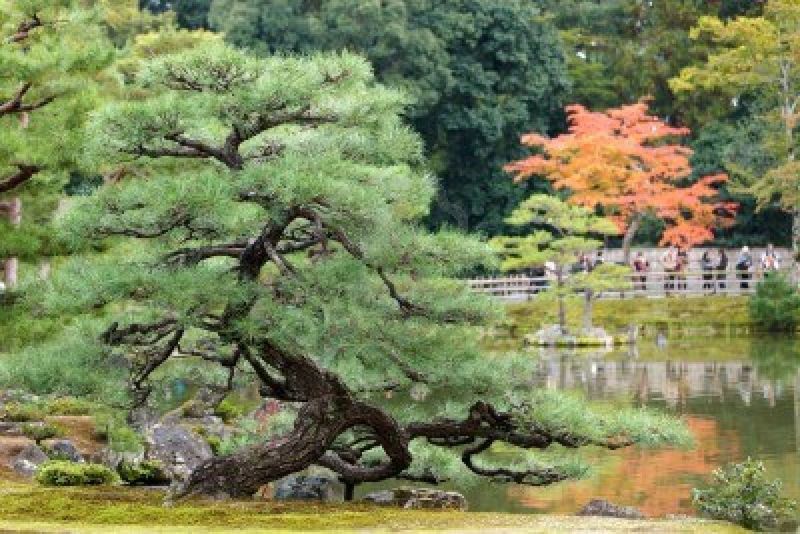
(9, 429)
(306, 488)
(112, 459)
(603, 508)
(418, 498)
(178, 449)
(551, 336)
(28, 460)
(63, 449)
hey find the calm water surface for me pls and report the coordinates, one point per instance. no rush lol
(739, 396)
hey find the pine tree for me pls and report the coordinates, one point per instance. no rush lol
(50, 55)
(272, 234)
(562, 234)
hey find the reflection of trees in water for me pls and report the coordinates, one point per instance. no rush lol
(658, 481)
(771, 369)
(775, 359)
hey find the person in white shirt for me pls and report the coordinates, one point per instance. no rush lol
(769, 259)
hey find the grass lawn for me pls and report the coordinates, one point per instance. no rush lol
(673, 315)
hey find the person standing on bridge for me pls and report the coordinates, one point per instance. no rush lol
(682, 267)
(641, 266)
(669, 262)
(722, 269)
(769, 259)
(744, 264)
(707, 264)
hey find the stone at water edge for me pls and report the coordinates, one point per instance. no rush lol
(603, 508)
(63, 449)
(307, 488)
(28, 460)
(418, 498)
(178, 449)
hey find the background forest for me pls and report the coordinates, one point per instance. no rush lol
(484, 72)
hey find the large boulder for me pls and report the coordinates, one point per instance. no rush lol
(28, 460)
(63, 449)
(178, 449)
(418, 498)
(306, 488)
(600, 507)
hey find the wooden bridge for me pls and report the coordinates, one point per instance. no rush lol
(653, 284)
(656, 283)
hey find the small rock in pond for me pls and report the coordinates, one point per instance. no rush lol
(603, 508)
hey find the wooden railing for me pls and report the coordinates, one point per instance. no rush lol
(652, 284)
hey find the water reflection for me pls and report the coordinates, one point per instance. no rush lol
(739, 397)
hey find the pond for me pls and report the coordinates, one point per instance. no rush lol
(739, 396)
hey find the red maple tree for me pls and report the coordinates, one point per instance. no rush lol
(627, 162)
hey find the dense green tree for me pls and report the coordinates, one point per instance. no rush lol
(480, 72)
(191, 14)
(273, 235)
(50, 58)
(621, 50)
(758, 54)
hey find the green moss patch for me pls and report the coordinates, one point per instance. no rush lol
(132, 510)
(677, 316)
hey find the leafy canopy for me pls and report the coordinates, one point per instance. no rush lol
(621, 160)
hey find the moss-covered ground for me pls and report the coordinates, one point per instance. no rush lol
(25, 507)
(674, 316)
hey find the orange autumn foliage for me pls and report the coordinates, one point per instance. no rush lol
(623, 160)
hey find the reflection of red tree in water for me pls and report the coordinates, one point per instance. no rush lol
(658, 482)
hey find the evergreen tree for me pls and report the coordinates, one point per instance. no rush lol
(50, 57)
(480, 72)
(272, 235)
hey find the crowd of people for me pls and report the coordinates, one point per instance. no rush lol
(715, 265)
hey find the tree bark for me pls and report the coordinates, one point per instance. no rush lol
(318, 424)
(627, 239)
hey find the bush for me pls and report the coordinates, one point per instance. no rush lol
(41, 431)
(63, 473)
(119, 436)
(228, 410)
(145, 473)
(776, 305)
(19, 412)
(741, 494)
(68, 406)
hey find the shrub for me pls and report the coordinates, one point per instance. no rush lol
(68, 406)
(144, 473)
(228, 410)
(741, 494)
(776, 305)
(63, 473)
(119, 436)
(19, 412)
(41, 431)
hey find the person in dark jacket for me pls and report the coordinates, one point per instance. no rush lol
(722, 268)
(744, 264)
(707, 264)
